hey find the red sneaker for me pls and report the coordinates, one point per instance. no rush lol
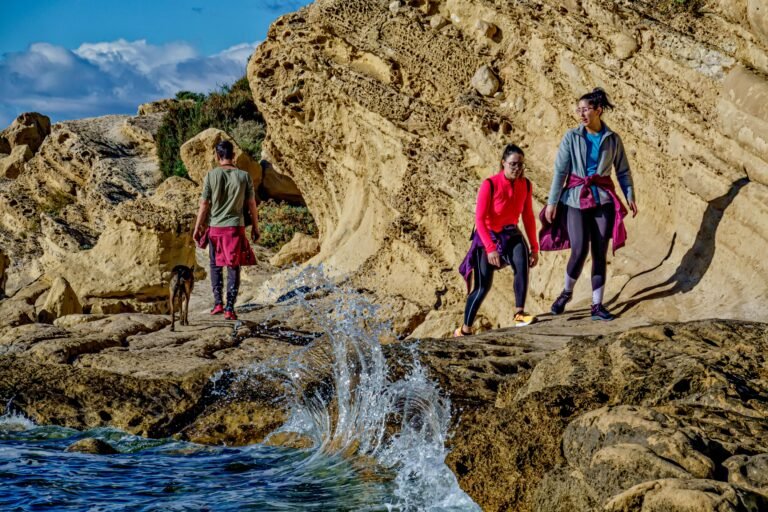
(217, 309)
(230, 315)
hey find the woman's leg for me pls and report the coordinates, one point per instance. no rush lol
(517, 258)
(579, 234)
(601, 227)
(483, 279)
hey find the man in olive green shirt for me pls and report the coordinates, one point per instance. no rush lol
(227, 190)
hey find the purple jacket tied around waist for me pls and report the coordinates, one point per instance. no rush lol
(501, 239)
(554, 237)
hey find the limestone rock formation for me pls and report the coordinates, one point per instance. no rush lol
(28, 129)
(373, 114)
(61, 300)
(301, 248)
(13, 165)
(67, 198)
(279, 186)
(130, 264)
(199, 156)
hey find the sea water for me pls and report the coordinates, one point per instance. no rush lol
(374, 443)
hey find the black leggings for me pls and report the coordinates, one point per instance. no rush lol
(515, 256)
(217, 281)
(590, 229)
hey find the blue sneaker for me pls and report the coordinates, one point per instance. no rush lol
(559, 305)
(600, 313)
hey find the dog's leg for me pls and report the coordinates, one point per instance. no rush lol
(173, 319)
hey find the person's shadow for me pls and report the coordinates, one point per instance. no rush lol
(695, 263)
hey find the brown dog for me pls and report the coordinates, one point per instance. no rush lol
(180, 290)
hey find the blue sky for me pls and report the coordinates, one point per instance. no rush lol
(82, 58)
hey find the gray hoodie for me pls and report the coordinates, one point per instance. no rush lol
(572, 157)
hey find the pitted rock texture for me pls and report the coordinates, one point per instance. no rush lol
(83, 209)
(373, 113)
(616, 421)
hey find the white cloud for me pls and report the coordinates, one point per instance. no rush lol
(109, 77)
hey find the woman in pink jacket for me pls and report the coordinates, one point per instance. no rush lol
(497, 241)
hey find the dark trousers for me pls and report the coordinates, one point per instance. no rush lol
(590, 231)
(516, 256)
(217, 281)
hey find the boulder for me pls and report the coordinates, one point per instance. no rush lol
(301, 248)
(485, 81)
(60, 301)
(93, 446)
(279, 186)
(132, 259)
(199, 156)
(13, 165)
(30, 128)
(160, 106)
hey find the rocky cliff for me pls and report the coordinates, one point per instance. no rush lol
(389, 114)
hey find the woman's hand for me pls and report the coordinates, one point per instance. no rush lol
(533, 259)
(494, 258)
(633, 207)
(549, 213)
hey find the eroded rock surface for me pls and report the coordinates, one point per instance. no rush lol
(373, 112)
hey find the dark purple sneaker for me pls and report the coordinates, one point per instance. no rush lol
(600, 313)
(559, 305)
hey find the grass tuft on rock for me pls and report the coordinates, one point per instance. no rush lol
(230, 109)
(278, 222)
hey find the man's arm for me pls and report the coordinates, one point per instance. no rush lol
(251, 203)
(202, 217)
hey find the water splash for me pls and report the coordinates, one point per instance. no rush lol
(340, 397)
(15, 422)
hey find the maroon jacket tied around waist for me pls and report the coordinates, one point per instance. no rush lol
(554, 237)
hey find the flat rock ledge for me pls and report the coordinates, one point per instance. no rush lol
(642, 418)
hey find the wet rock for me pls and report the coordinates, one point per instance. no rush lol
(93, 446)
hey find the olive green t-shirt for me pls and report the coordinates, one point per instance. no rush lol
(227, 190)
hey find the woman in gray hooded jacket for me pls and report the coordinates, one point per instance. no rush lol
(585, 191)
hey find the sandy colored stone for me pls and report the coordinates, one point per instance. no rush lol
(390, 168)
(485, 29)
(13, 165)
(485, 81)
(159, 106)
(279, 186)
(684, 496)
(61, 300)
(298, 250)
(132, 259)
(437, 22)
(199, 156)
(29, 129)
(624, 45)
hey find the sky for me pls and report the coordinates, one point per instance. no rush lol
(82, 58)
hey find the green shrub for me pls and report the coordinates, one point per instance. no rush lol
(230, 109)
(278, 222)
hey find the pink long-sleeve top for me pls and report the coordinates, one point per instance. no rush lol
(510, 199)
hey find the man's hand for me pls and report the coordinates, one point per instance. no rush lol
(255, 233)
(549, 213)
(533, 259)
(494, 258)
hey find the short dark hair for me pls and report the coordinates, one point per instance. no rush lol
(509, 149)
(225, 150)
(597, 98)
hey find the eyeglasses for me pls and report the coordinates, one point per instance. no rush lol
(515, 165)
(584, 110)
